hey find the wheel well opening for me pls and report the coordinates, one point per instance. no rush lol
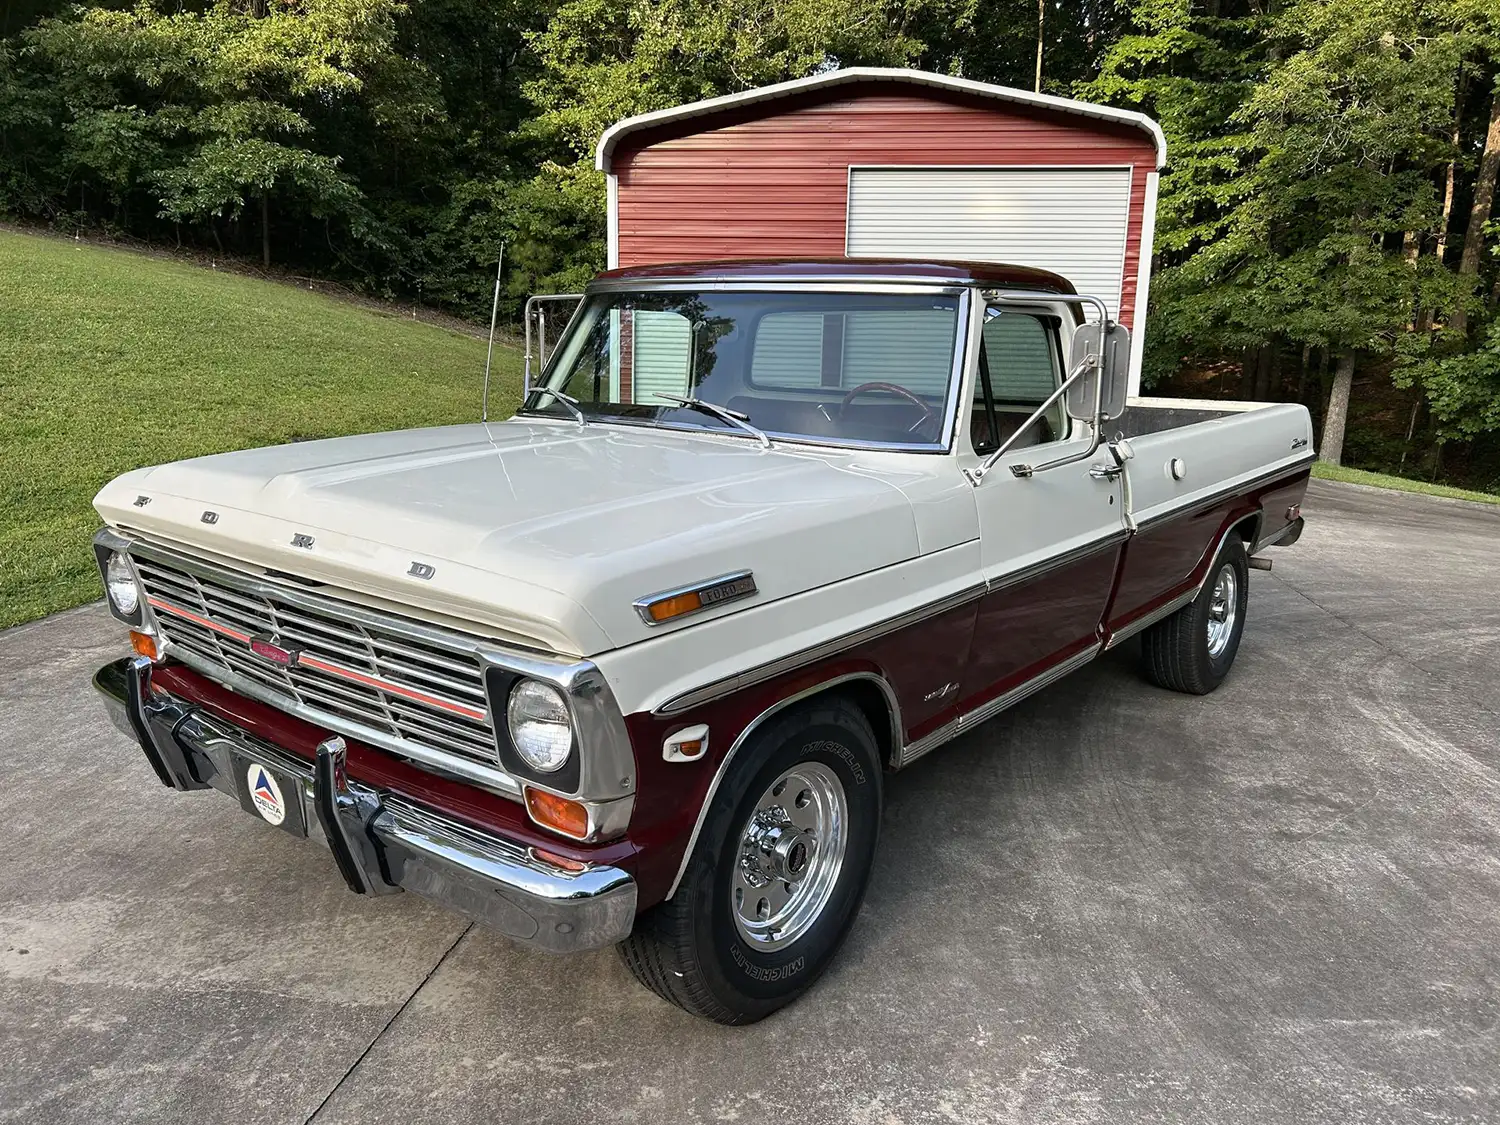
(870, 699)
(1248, 529)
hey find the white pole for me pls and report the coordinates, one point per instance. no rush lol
(484, 409)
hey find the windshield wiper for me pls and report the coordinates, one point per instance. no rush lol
(567, 400)
(723, 413)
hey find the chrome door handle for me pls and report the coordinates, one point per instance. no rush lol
(1106, 472)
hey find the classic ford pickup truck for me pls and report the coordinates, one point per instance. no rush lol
(629, 666)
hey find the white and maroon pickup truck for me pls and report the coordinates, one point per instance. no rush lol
(629, 666)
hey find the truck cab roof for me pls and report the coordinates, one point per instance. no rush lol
(843, 269)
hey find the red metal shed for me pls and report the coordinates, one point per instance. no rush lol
(892, 163)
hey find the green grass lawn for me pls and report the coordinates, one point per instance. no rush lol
(110, 360)
(1324, 471)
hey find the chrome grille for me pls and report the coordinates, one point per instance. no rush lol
(417, 693)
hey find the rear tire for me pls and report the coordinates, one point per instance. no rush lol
(1193, 650)
(734, 943)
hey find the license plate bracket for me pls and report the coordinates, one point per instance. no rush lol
(270, 794)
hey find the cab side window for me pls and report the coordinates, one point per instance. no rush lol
(1019, 366)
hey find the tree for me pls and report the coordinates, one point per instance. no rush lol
(1288, 225)
(1193, 71)
(209, 110)
(1479, 211)
(607, 59)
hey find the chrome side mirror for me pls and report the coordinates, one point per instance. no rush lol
(1106, 380)
(1116, 372)
(1088, 356)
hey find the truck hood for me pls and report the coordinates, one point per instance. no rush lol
(538, 533)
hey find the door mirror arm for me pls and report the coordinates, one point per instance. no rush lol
(1101, 355)
(1087, 364)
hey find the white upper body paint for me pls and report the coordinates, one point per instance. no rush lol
(539, 532)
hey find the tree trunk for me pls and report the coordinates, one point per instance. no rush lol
(1457, 138)
(1411, 246)
(1261, 386)
(265, 229)
(1041, 20)
(1411, 427)
(1479, 213)
(1331, 449)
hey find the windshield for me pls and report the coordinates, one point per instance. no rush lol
(846, 368)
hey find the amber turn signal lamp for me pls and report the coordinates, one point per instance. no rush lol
(575, 866)
(667, 608)
(144, 645)
(558, 813)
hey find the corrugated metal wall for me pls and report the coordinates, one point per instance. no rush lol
(1018, 349)
(1068, 220)
(772, 180)
(910, 347)
(659, 355)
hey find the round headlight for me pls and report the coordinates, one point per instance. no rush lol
(119, 583)
(540, 725)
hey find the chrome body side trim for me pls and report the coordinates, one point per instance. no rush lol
(791, 662)
(389, 842)
(752, 726)
(955, 727)
(1057, 562)
(1222, 494)
(718, 689)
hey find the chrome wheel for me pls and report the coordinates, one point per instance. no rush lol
(1223, 610)
(790, 854)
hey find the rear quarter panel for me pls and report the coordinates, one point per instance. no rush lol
(1250, 463)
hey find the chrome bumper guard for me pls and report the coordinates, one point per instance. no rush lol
(380, 842)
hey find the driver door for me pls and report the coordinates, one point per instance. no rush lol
(1050, 543)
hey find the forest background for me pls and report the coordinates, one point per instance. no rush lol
(1327, 231)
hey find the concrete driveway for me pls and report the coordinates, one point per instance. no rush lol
(1277, 904)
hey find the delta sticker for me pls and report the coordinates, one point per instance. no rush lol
(266, 794)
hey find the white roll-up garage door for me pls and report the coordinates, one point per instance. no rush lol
(1068, 220)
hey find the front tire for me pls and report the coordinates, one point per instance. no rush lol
(778, 873)
(1193, 650)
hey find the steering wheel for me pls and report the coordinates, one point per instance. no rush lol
(928, 414)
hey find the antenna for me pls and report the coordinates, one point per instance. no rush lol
(484, 407)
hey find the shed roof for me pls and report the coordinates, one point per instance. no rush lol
(620, 129)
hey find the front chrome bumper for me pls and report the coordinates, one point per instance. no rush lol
(380, 842)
